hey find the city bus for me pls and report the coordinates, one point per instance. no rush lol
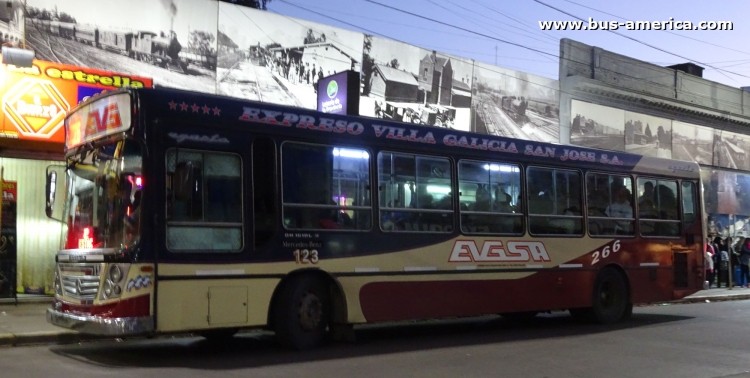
(194, 213)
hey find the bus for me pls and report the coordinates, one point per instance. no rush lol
(195, 213)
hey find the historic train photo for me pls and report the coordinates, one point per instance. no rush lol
(158, 49)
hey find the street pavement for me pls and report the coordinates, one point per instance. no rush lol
(674, 340)
(26, 324)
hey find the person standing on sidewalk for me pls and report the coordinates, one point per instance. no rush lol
(709, 256)
(745, 263)
(722, 261)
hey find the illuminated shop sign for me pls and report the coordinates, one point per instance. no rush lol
(36, 99)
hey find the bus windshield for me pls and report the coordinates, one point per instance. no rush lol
(102, 203)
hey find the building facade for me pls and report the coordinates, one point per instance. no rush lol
(612, 101)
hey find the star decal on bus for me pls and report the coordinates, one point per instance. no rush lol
(172, 105)
(195, 108)
(183, 106)
(217, 111)
(206, 109)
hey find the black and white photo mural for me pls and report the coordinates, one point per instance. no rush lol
(515, 104)
(597, 126)
(648, 135)
(692, 142)
(730, 150)
(171, 41)
(406, 83)
(268, 57)
(390, 89)
(12, 23)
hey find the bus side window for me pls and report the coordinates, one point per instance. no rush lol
(658, 209)
(187, 204)
(489, 195)
(554, 198)
(689, 203)
(610, 196)
(325, 187)
(415, 193)
(204, 194)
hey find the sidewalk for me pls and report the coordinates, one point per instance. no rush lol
(26, 324)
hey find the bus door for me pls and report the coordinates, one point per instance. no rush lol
(206, 233)
(688, 257)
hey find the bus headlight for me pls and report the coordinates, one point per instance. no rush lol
(108, 287)
(57, 284)
(115, 273)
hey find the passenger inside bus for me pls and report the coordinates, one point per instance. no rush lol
(621, 208)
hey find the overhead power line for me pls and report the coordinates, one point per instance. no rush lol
(460, 28)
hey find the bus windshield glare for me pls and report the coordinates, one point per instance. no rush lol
(103, 198)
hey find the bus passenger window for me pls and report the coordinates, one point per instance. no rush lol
(415, 193)
(204, 202)
(489, 198)
(658, 209)
(554, 202)
(325, 187)
(610, 204)
(689, 203)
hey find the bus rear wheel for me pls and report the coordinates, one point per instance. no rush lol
(611, 302)
(302, 313)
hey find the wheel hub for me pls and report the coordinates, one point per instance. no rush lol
(310, 312)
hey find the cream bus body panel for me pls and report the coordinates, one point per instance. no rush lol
(184, 304)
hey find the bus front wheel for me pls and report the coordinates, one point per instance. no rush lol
(302, 314)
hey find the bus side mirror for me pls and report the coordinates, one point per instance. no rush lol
(54, 192)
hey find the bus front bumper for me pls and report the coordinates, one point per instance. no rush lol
(97, 325)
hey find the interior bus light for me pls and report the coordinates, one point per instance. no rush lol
(438, 189)
(501, 168)
(139, 181)
(356, 154)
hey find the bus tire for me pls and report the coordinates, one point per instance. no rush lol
(610, 297)
(302, 314)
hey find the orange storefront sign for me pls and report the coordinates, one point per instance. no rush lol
(35, 100)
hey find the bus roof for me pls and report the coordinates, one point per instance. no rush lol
(193, 106)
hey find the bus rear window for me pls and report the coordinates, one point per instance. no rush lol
(658, 208)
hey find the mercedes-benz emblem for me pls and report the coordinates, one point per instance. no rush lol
(79, 289)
